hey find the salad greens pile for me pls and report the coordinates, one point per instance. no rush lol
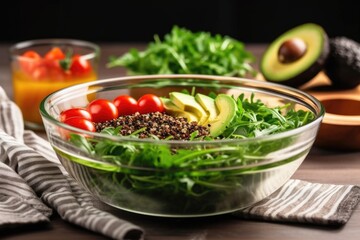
(255, 119)
(182, 175)
(184, 52)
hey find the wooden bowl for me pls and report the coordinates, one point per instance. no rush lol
(340, 128)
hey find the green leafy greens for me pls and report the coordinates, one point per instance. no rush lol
(185, 52)
(255, 119)
(199, 177)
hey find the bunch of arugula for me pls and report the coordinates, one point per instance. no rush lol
(162, 171)
(255, 119)
(185, 52)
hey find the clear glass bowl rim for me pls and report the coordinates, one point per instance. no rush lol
(318, 116)
(55, 41)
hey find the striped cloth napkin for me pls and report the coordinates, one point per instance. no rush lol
(305, 202)
(33, 184)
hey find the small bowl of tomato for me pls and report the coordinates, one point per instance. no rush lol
(40, 67)
(181, 145)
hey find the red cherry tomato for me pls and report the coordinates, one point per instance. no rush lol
(52, 62)
(74, 112)
(29, 60)
(126, 105)
(102, 110)
(82, 123)
(31, 54)
(79, 65)
(150, 103)
(55, 54)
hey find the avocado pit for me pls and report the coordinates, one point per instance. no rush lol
(291, 50)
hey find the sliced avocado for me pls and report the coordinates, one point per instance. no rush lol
(227, 111)
(188, 103)
(208, 104)
(296, 56)
(174, 110)
(343, 64)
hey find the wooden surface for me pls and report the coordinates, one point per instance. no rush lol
(320, 166)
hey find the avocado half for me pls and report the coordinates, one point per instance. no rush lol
(296, 56)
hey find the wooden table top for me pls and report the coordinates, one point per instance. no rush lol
(321, 166)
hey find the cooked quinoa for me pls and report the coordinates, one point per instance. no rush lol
(158, 124)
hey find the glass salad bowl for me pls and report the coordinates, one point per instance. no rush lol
(271, 131)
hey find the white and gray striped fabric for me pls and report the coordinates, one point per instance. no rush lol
(33, 183)
(305, 202)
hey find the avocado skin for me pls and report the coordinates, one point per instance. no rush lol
(343, 64)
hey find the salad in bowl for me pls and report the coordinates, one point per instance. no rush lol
(181, 145)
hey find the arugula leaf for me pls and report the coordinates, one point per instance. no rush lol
(183, 51)
(81, 142)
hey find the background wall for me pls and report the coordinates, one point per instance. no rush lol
(124, 21)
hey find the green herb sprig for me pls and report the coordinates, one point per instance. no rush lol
(65, 63)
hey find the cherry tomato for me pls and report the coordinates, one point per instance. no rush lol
(79, 65)
(78, 122)
(29, 60)
(74, 112)
(102, 110)
(150, 103)
(55, 54)
(126, 105)
(31, 54)
(81, 123)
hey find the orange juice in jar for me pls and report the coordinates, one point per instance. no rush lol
(40, 67)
